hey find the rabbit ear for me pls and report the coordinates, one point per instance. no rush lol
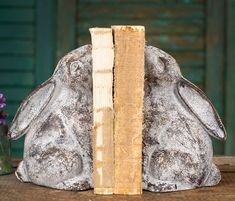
(199, 104)
(31, 107)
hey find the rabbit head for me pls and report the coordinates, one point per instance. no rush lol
(75, 68)
(160, 66)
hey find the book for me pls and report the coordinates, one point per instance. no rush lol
(128, 108)
(103, 114)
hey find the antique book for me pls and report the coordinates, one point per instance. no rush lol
(102, 75)
(128, 106)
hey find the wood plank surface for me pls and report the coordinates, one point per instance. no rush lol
(102, 76)
(225, 163)
(128, 105)
(12, 189)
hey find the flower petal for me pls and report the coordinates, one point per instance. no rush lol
(2, 105)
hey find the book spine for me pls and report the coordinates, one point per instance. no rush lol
(102, 75)
(128, 106)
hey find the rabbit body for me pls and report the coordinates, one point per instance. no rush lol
(177, 151)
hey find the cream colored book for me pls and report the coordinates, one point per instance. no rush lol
(102, 75)
(128, 106)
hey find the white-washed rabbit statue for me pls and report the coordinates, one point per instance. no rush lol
(57, 121)
(178, 117)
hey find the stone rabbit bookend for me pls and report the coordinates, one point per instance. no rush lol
(178, 119)
(177, 149)
(57, 121)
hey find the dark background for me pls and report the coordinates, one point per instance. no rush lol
(199, 34)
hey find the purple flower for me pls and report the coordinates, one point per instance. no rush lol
(2, 99)
(2, 105)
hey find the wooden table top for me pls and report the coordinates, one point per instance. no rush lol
(13, 190)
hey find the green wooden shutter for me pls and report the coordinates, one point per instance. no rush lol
(177, 27)
(17, 52)
(26, 52)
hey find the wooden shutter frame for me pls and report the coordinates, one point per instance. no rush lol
(45, 40)
(230, 78)
(215, 59)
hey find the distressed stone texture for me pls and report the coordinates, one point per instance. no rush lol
(57, 121)
(178, 119)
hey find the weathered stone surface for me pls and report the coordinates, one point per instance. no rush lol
(178, 119)
(177, 150)
(57, 121)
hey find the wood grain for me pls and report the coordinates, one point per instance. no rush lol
(225, 163)
(12, 189)
(128, 104)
